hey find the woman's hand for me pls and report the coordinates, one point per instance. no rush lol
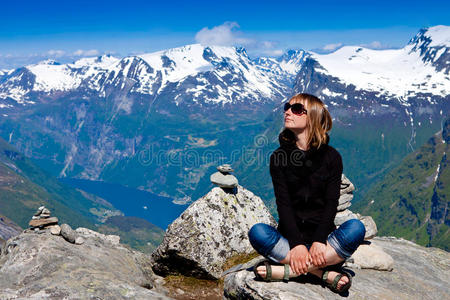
(299, 259)
(317, 252)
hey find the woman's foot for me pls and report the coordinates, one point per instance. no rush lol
(343, 278)
(331, 276)
(277, 272)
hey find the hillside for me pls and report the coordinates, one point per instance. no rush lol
(412, 199)
(24, 187)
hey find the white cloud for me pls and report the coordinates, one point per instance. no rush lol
(375, 45)
(222, 35)
(91, 52)
(56, 53)
(331, 47)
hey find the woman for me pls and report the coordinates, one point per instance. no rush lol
(306, 175)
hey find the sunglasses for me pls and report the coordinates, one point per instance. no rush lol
(296, 108)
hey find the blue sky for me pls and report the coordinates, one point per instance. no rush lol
(32, 30)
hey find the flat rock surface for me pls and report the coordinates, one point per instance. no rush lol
(45, 266)
(42, 222)
(419, 273)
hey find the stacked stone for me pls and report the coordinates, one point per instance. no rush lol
(344, 214)
(42, 220)
(223, 178)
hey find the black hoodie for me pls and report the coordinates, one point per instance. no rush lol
(307, 189)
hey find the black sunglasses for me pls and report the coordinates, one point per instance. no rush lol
(296, 108)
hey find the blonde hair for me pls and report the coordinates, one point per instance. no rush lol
(319, 119)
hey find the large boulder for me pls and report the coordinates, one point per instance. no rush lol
(40, 265)
(210, 231)
(419, 273)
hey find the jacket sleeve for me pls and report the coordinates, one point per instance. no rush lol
(287, 220)
(332, 194)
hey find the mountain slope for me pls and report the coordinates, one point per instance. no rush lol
(24, 187)
(412, 200)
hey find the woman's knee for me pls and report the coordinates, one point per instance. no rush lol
(355, 229)
(263, 237)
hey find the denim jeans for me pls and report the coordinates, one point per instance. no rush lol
(268, 242)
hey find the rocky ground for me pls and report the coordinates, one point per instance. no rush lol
(48, 261)
(418, 273)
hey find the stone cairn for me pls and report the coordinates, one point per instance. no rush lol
(223, 178)
(42, 221)
(344, 214)
(368, 255)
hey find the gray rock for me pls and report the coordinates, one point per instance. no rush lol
(346, 185)
(344, 206)
(45, 211)
(225, 168)
(210, 231)
(345, 198)
(87, 233)
(79, 240)
(344, 216)
(68, 233)
(224, 180)
(419, 273)
(42, 267)
(55, 229)
(373, 257)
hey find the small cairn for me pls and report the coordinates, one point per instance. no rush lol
(344, 214)
(223, 178)
(42, 220)
(368, 255)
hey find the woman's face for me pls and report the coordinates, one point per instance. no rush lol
(295, 123)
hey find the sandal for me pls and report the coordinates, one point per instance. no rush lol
(268, 277)
(333, 286)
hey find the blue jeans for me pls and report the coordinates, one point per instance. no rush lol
(268, 242)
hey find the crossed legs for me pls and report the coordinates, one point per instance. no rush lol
(341, 244)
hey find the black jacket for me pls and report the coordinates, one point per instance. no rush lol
(307, 186)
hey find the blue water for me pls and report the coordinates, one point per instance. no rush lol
(160, 211)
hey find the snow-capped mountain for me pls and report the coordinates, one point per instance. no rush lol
(410, 82)
(192, 74)
(102, 118)
(420, 67)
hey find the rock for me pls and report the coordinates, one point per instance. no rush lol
(79, 240)
(43, 267)
(344, 206)
(419, 273)
(373, 257)
(45, 211)
(87, 233)
(35, 218)
(210, 231)
(345, 198)
(39, 211)
(224, 180)
(44, 215)
(344, 216)
(55, 229)
(68, 233)
(43, 222)
(346, 185)
(371, 226)
(225, 168)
